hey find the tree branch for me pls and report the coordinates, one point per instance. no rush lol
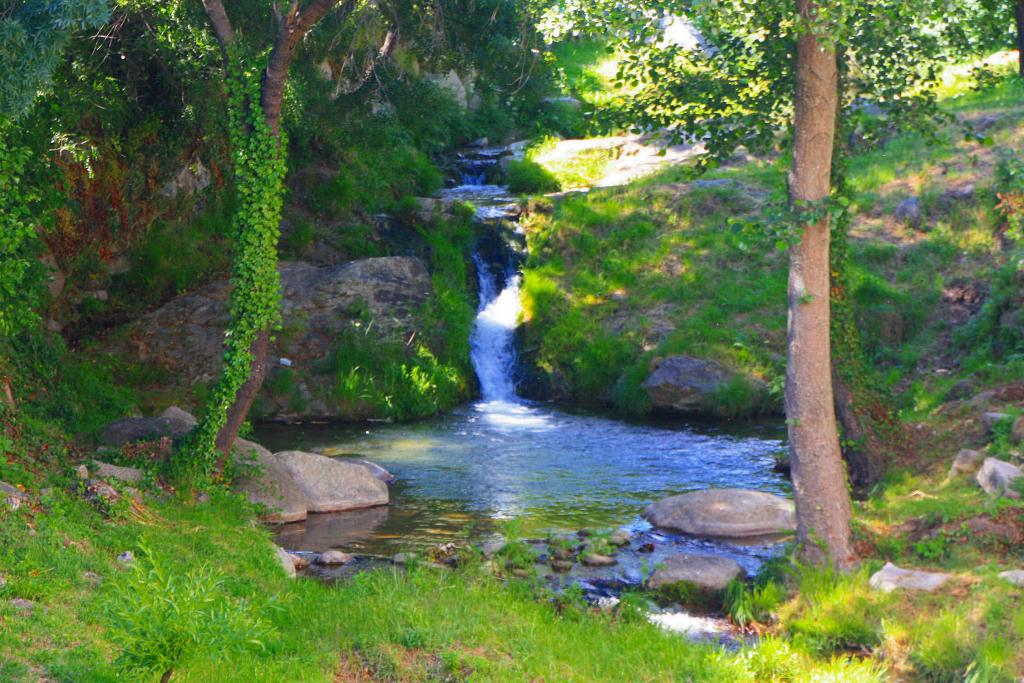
(222, 27)
(295, 25)
(386, 48)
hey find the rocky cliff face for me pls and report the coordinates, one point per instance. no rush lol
(318, 306)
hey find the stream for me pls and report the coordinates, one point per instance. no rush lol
(467, 473)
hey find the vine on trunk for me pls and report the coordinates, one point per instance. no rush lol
(260, 167)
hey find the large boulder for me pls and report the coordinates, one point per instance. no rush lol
(331, 485)
(319, 305)
(997, 477)
(724, 513)
(706, 573)
(271, 484)
(684, 384)
(173, 422)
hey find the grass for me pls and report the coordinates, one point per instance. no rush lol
(622, 276)
(403, 626)
(409, 625)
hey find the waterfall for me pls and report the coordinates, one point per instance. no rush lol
(492, 345)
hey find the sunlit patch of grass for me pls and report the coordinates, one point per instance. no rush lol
(573, 167)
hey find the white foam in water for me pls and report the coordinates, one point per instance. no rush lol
(493, 352)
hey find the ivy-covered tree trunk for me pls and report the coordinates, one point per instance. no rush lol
(819, 477)
(255, 100)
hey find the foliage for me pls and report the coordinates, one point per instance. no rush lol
(33, 36)
(162, 620)
(19, 290)
(752, 603)
(529, 177)
(260, 169)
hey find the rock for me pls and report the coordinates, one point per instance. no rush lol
(492, 548)
(1017, 431)
(708, 573)
(400, 558)
(452, 84)
(620, 537)
(1014, 576)
(129, 429)
(11, 496)
(996, 477)
(127, 557)
(960, 391)
(284, 558)
(597, 560)
(299, 561)
(333, 557)
(319, 305)
(21, 604)
(190, 179)
(561, 566)
(177, 416)
(986, 528)
(126, 474)
(97, 490)
(565, 101)
(908, 211)
(82, 472)
(92, 577)
(377, 471)
(890, 577)
(271, 485)
(966, 461)
(331, 485)
(686, 384)
(990, 418)
(724, 513)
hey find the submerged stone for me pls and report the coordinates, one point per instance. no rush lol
(597, 560)
(333, 557)
(707, 573)
(724, 513)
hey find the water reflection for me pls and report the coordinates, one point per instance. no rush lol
(465, 471)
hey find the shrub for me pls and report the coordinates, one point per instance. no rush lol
(162, 620)
(528, 177)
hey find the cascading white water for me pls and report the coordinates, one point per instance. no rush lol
(492, 341)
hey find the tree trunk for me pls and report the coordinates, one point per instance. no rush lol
(819, 477)
(1019, 15)
(245, 396)
(292, 26)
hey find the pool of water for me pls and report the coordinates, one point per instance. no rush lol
(504, 460)
(472, 470)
